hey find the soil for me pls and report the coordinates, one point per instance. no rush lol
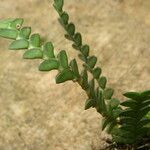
(37, 114)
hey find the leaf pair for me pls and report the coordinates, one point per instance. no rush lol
(58, 5)
(65, 72)
(14, 24)
(37, 53)
(64, 75)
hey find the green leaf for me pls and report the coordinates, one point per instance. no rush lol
(128, 120)
(78, 39)
(5, 23)
(102, 82)
(130, 128)
(85, 50)
(86, 66)
(130, 103)
(111, 126)
(97, 72)
(16, 23)
(63, 59)
(143, 132)
(89, 103)
(48, 65)
(71, 29)
(123, 140)
(82, 57)
(33, 54)
(35, 40)
(128, 113)
(92, 61)
(122, 136)
(25, 33)
(19, 44)
(114, 103)
(64, 18)
(147, 93)
(9, 33)
(58, 4)
(91, 89)
(64, 75)
(133, 95)
(116, 112)
(145, 103)
(143, 111)
(48, 50)
(105, 122)
(74, 68)
(75, 47)
(143, 122)
(101, 103)
(108, 93)
(84, 81)
(68, 37)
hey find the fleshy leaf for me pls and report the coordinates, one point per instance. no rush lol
(108, 93)
(105, 122)
(85, 50)
(58, 4)
(48, 65)
(84, 81)
(74, 67)
(16, 23)
(64, 75)
(89, 103)
(5, 23)
(102, 82)
(97, 72)
(78, 39)
(9, 33)
(33, 54)
(35, 40)
(71, 29)
(64, 18)
(63, 59)
(19, 44)
(25, 33)
(48, 50)
(92, 61)
(114, 103)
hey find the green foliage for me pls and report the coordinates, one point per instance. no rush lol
(35, 50)
(34, 53)
(48, 65)
(8, 33)
(63, 59)
(48, 50)
(89, 103)
(64, 75)
(102, 82)
(127, 126)
(19, 44)
(74, 68)
(133, 118)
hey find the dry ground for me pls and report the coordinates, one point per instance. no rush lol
(37, 114)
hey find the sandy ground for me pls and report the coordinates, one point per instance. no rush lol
(37, 114)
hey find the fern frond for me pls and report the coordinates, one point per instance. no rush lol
(133, 118)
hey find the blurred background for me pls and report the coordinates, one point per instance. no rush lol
(37, 114)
